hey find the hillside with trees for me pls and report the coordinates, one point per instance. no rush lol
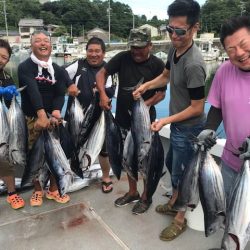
(83, 15)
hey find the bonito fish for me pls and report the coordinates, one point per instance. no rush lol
(212, 194)
(238, 217)
(4, 132)
(18, 134)
(57, 162)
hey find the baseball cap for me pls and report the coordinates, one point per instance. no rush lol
(139, 37)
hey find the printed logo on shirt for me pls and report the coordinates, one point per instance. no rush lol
(42, 79)
(84, 69)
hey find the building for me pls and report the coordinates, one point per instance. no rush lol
(27, 27)
(154, 31)
(13, 36)
(97, 32)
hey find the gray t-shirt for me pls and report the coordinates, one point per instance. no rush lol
(188, 72)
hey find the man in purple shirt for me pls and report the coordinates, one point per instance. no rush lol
(229, 97)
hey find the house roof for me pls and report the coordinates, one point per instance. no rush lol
(97, 30)
(31, 22)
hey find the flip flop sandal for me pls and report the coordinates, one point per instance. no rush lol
(166, 209)
(173, 231)
(107, 185)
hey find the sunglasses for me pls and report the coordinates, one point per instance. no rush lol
(178, 31)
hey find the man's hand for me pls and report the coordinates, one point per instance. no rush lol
(206, 139)
(56, 118)
(157, 125)
(105, 102)
(73, 90)
(139, 91)
(246, 150)
(42, 121)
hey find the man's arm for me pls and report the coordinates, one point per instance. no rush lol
(156, 98)
(195, 109)
(101, 77)
(158, 82)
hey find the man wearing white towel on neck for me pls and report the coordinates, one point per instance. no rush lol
(46, 86)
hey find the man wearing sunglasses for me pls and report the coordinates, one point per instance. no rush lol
(185, 70)
(132, 66)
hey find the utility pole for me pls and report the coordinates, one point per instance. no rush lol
(5, 18)
(109, 20)
(133, 20)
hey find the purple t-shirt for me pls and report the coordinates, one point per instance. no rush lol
(230, 91)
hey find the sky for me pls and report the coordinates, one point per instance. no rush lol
(150, 7)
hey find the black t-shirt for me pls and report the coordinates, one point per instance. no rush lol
(130, 73)
(86, 81)
(40, 93)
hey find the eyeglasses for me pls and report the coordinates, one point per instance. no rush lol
(178, 31)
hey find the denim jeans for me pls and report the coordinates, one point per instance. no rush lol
(229, 176)
(181, 150)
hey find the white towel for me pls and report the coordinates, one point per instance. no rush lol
(46, 65)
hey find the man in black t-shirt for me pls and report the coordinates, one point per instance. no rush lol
(131, 66)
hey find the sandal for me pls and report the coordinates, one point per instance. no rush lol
(56, 196)
(36, 199)
(15, 201)
(107, 185)
(173, 231)
(166, 209)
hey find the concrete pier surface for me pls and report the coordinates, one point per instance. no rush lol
(91, 221)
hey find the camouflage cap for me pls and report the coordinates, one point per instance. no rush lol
(139, 37)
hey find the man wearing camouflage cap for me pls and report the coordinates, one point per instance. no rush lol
(132, 66)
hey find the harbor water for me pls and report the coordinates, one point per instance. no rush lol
(162, 108)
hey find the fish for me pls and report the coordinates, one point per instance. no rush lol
(114, 144)
(18, 139)
(76, 117)
(238, 217)
(4, 132)
(65, 141)
(57, 161)
(35, 161)
(154, 165)
(92, 114)
(212, 194)
(188, 195)
(129, 161)
(93, 146)
(140, 129)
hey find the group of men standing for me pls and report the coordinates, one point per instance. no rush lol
(185, 72)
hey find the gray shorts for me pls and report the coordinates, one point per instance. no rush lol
(6, 169)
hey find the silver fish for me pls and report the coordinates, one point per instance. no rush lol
(114, 143)
(76, 117)
(35, 161)
(93, 145)
(189, 188)
(128, 160)
(4, 132)
(238, 217)
(212, 194)
(140, 129)
(57, 162)
(18, 134)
